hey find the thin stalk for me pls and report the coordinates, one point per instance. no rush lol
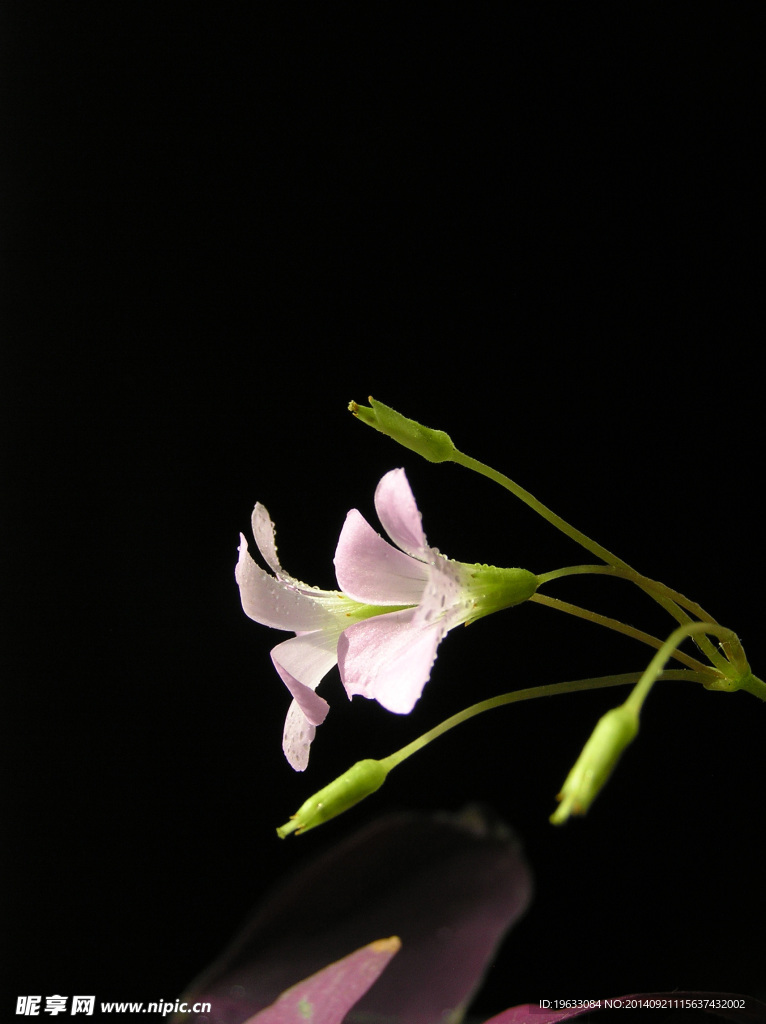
(634, 577)
(548, 690)
(654, 670)
(537, 506)
(657, 590)
(752, 684)
(618, 627)
(570, 531)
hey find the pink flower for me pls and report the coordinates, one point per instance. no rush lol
(384, 625)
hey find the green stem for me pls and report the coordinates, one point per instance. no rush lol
(618, 627)
(514, 696)
(654, 670)
(529, 499)
(752, 684)
(635, 577)
(677, 601)
(668, 603)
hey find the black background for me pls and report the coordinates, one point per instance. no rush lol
(542, 236)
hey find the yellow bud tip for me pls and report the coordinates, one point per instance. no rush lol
(565, 810)
(433, 445)
(284, 830)
(392, 945)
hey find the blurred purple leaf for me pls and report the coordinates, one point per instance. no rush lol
(327, 996)
(448, 886)
(751, 1012)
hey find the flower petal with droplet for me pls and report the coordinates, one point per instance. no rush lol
(389, 658)
(274, 603)
(399, 514)
(371, 570)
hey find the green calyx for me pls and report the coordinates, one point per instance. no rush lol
(433, 445)
(490, 589)
(348, 789)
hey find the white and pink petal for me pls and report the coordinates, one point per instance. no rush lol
(447, 597)
(297, 737)
(371, 570)
(302, 662)
(389, 658)
(265, 536)
(399, 515)
(275, 603)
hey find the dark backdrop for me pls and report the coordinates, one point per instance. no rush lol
(222, 226)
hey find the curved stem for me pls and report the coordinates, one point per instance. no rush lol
(668, 603)
(752, 684)
(549, 690)
(618, 627)
(654, 669)
(658, 590)
(634, 577)
(537, 506)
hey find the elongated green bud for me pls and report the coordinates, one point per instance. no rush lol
(613, 732)
(348, 789)
(434, 445)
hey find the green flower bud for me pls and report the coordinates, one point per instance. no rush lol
(434, 445)
(613, 732)
(348, 789)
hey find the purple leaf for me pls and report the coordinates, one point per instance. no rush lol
(327, 996)
(448, 886)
